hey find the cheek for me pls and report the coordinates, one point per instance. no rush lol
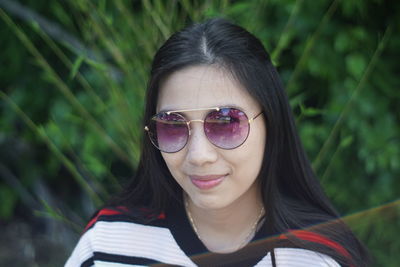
(249, 157)
(173, 162)
(248, 163)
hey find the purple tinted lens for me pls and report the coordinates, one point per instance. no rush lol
(227, 128)
(169, 132)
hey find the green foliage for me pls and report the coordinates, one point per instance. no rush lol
(8, 199)
(74, 83)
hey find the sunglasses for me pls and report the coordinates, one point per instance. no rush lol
(225, 127)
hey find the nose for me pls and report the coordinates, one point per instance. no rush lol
(199, 150)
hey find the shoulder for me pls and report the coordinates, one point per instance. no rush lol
(297, 257)
(116, 224)
(305, 255)
(122, 214)
(117, 234)
(302, 257)
(317, 238)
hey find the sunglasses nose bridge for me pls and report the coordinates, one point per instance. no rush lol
(195, 120)
(189, 122)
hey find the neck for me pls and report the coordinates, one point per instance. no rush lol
(229, 228)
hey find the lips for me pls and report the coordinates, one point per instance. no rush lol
(207, 181)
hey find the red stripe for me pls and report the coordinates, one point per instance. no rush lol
(100, 213)
(320, 239)
(150, 214)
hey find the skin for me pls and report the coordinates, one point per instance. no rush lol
(236, 201)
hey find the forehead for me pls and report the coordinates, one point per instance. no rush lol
(203, 87)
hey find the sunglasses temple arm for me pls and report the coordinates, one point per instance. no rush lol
(255, 117)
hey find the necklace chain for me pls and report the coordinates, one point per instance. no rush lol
(245, 240)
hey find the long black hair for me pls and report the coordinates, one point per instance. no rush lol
(292, 196)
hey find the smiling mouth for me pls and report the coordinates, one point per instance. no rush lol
(208, 181)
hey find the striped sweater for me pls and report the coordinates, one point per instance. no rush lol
(116, 238)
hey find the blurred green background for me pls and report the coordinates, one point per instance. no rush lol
(72, 81)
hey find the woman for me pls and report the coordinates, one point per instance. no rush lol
(223, 179)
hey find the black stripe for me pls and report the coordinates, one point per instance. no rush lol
(100, 256)
(87, 263)
(273, 258)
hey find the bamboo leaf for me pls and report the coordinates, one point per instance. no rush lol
(75, 67)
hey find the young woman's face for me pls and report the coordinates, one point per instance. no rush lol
(212, 177)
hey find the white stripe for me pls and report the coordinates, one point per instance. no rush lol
(136, 240)
(265, 262)
(113, 264)
(82, 251)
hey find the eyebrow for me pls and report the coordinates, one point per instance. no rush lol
(195, 109)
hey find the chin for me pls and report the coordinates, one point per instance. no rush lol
(209, 202)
